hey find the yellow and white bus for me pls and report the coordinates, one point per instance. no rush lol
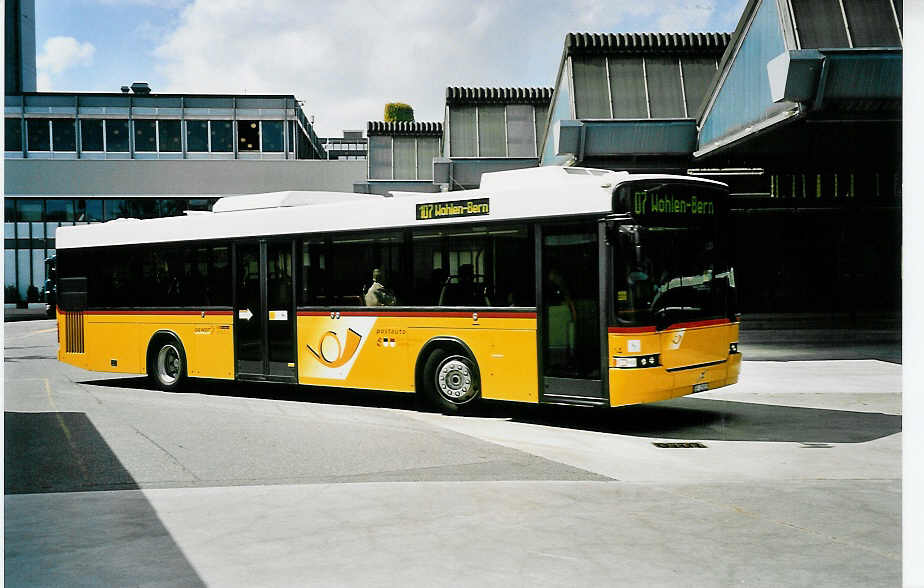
(546, 285)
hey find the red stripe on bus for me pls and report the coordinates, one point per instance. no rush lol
(163, 312)
(651, 329)
(709, 323)
(411, 314)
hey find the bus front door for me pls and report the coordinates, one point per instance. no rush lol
(570, 315)
(264, 311)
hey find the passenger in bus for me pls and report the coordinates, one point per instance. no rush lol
(461, 290)
(437, 280)
(378, 295)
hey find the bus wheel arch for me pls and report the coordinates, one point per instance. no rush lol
(166, 360)
(447, 375)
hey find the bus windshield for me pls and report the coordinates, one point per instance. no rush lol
(666, 275)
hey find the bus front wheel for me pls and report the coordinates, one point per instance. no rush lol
(167, 364)
(451, 381)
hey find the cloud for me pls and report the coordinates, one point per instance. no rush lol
(165, 4)
(62, 53)
(347, 59)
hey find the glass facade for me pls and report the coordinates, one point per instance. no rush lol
(492, 134)
(197, 135)
(591, 98)
(521, 139)
(12, 139)
(222, 136)
(272, 136)
(168, 133)
(145, 135)
(64, 134)
(627, 86)
(495, 130)
(462, 131)
(427, 149)
(116, 135)
(561, 110)
(30, 225)
(745, 98)
(402, 157)
(248, 133)
(91, 135)
(380, 158)
(38, 131)
(405, 158)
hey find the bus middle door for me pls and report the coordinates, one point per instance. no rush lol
(264, 311)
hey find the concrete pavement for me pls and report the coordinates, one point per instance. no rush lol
(111, 483)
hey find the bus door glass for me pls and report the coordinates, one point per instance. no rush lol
(280, 309)
(264, 313)
(571, 311)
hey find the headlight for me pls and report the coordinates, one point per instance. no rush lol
(638, 361)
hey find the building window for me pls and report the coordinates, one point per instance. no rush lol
(222, 136)
(248, 133)
(272, 135)
(64, 136)
(39, 134)
(28, 209)
(197, 135)
(89, 210)
(116, 135)
(59, 210)
(145, 135)
(91, 135)
(169, 134)
(13, 135)
(115, 208)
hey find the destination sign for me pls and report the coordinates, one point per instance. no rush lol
(665, 203)
(457, 208)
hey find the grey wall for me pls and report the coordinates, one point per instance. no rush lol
(19, 46)
(126, 177)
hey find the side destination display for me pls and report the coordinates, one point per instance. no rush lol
(457, 208)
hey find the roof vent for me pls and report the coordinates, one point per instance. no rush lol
(125, 89)
(141, 88)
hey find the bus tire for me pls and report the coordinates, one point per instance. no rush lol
(451, 381)
(167, 363)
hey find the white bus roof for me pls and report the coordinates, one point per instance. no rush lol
(518, 194)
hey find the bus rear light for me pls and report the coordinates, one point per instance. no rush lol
(733, 348)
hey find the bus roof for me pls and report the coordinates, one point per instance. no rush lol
(542, 192)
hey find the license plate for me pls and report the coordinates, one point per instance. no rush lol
(700, 387)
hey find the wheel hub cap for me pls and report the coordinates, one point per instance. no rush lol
(455, 381)
(168, 364)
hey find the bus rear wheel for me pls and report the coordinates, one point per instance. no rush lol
(451, 381)
(167, 364)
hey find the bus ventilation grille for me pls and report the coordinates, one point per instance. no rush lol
(686, 444)
(73, 332)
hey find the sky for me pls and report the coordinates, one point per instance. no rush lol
(345, 59)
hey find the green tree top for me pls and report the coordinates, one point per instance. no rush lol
(398, 112)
